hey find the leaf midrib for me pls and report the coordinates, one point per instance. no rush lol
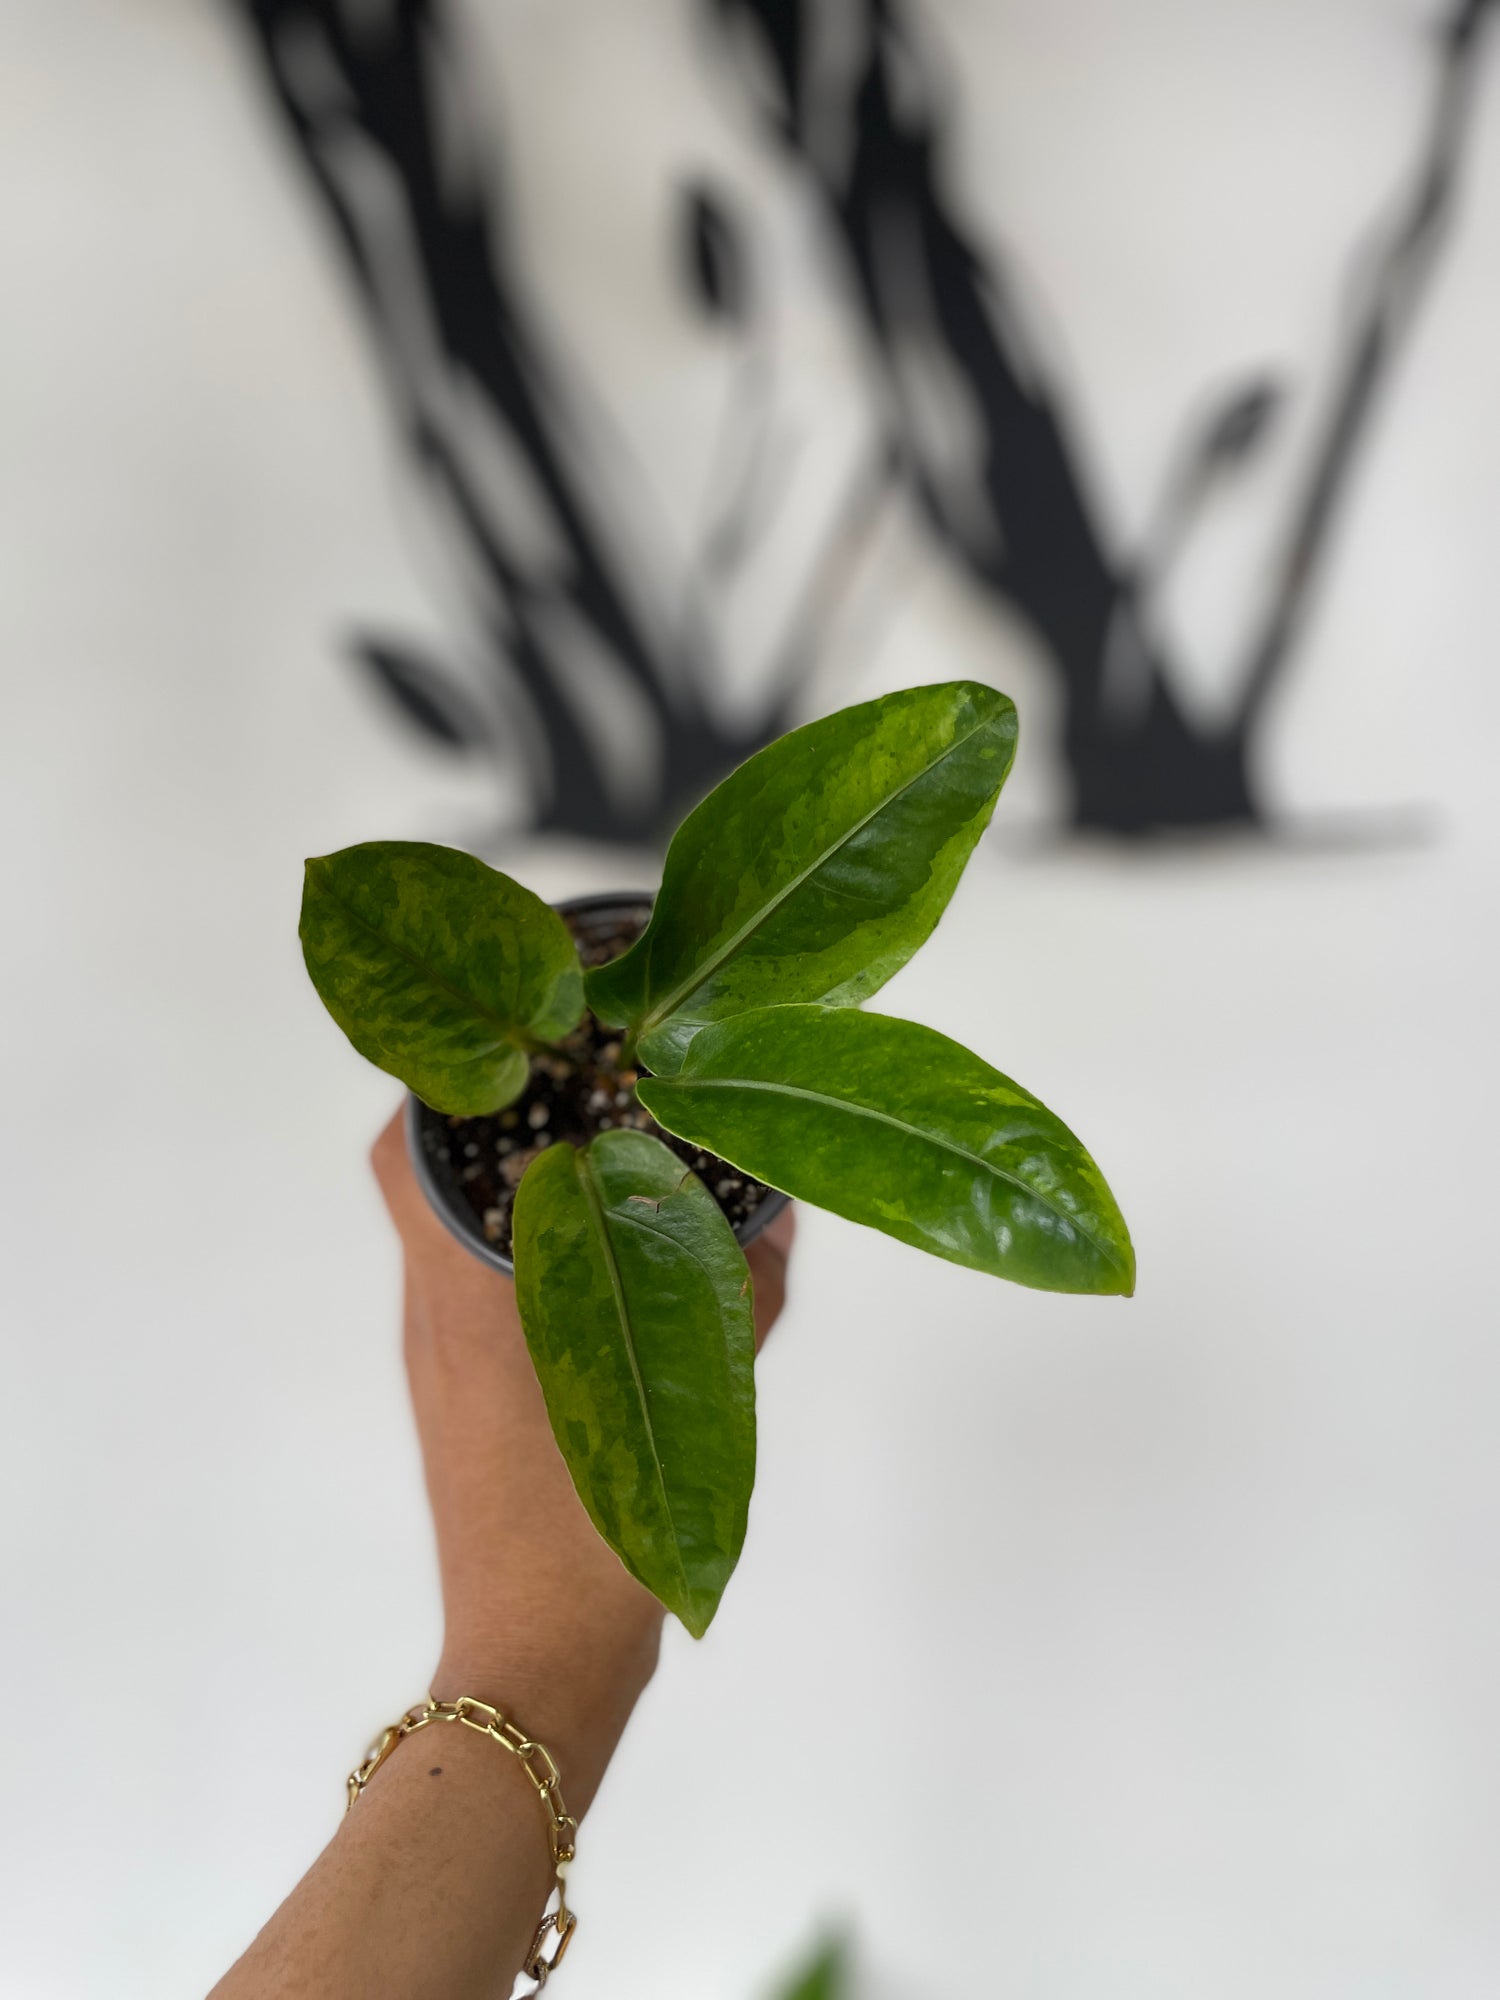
(601, 1217)
(657, 1015)
(856, 1110)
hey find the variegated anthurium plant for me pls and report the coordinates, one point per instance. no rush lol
(788, 897)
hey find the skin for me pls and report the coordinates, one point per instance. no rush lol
(432, 1886)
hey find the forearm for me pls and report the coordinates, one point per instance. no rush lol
(434, 1883)
(433, 1886)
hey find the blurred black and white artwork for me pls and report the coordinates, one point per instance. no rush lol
(595, 637)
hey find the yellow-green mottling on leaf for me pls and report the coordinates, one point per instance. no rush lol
(788, 897)
(637, 1308)
(439, 969)
(891, 1124)
(816, 869)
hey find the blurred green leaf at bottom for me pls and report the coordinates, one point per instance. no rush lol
(824, 1977)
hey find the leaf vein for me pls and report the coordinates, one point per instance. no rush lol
(617, 1287)
(655, 1017)
(855, 1110)
(640, 1222)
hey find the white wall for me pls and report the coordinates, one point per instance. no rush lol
(1080, 1649)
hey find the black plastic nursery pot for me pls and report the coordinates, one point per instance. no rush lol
(469, 1168)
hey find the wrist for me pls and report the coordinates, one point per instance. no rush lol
(570, 1683)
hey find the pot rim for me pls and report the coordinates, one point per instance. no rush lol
(461, 1223)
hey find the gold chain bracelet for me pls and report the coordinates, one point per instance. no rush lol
(535, 1760)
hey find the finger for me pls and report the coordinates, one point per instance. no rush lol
(391, 1159)
(767, 1257)
(780, 1230)
(388, 1154)
(423, 1236)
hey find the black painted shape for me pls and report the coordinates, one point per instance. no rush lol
(716, 260)
(382, 91)
(376, 100)
(1011, 502)
(430, 699)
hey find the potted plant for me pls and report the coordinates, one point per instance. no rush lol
(595, 1096)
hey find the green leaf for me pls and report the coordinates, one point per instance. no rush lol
(816, 869)
(637, 1306)
(825, 1976)
(893, 1125)
(438, 969)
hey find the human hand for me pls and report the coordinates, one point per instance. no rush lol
(540, 1615)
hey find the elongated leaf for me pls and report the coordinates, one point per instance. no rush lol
(638, 1312)
(817, 869)
(894, 1125)
(438, 969)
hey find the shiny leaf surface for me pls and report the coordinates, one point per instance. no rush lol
(815, 870)
(438, 969)
(638, 1311)
(893, 1125)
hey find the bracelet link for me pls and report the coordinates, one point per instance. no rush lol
(562, 1923)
